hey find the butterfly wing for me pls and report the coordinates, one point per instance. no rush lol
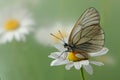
(87, 35)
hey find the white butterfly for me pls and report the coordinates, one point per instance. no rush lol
(86, 36)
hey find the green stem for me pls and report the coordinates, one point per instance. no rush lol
(82, 74)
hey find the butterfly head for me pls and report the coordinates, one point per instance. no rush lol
(69, 47)
(66, 45)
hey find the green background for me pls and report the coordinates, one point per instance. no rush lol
(29, 60)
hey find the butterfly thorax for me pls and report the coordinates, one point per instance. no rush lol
(72, 48)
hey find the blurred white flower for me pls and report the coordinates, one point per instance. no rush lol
(43, 34)
(75, 59)
(15, 23)
(107, 59)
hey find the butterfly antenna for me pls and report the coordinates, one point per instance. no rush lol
(56, 37)
(62, 36)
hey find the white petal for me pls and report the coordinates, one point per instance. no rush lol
(17, 36)
(23, 30)
(88, 68)
(8, 36)
(45, 40)
(99, 53)
(54, 55)
(69, 66)
(27, 22)
(77, 65)
(58, 62)
(97, 63)
(84, 62)
(60, 47)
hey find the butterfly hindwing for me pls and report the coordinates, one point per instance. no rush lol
(92, 41)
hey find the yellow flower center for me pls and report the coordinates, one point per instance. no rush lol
(72, 57)
(11, 24)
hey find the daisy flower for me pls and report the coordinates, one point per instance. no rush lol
(15, 23)
(47, 39)
(74, 59)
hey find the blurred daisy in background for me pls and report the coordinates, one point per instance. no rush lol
(107, 59)
(75, 59)
(15, 23)
(43, 34)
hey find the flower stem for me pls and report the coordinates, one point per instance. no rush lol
(82, 74)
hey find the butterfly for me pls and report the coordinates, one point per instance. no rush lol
(86, 36)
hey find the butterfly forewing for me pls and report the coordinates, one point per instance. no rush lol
(87, 35)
